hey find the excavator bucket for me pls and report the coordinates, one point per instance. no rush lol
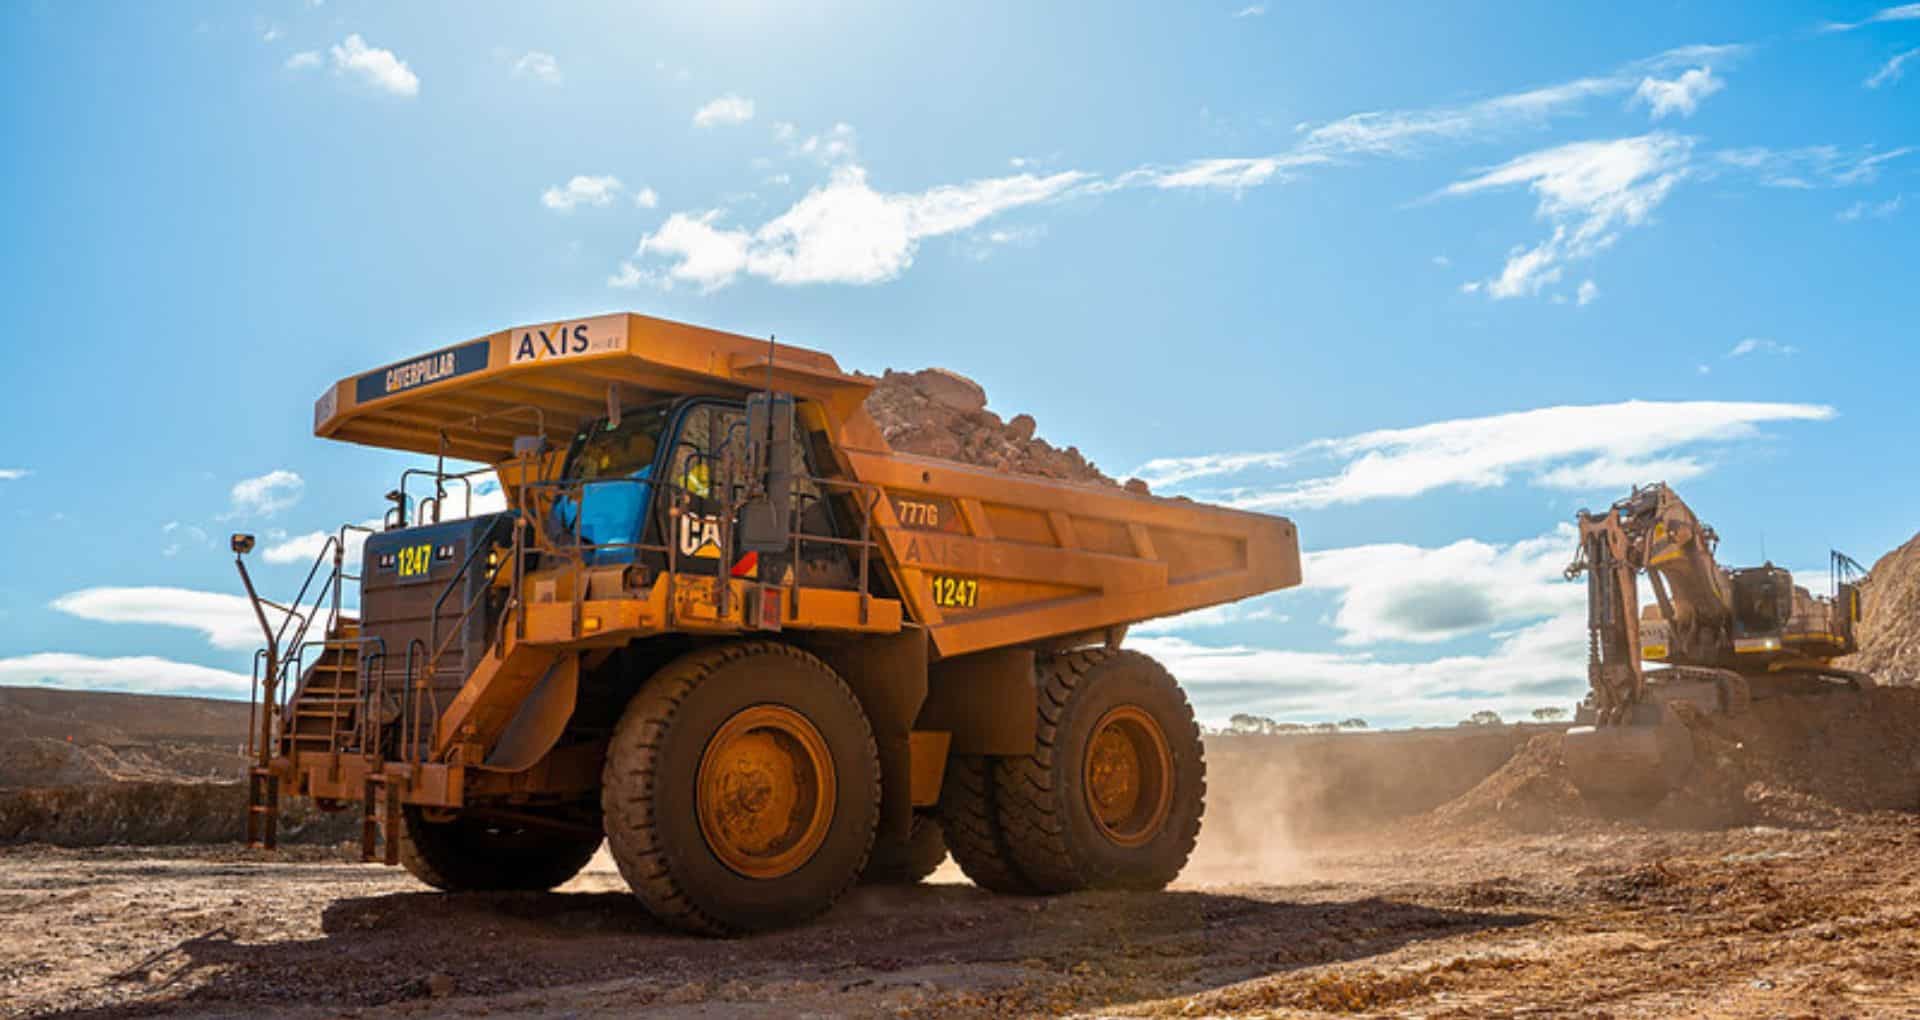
(1628, 768)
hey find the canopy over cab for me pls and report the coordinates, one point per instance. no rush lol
(471, 400)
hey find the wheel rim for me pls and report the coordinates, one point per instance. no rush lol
(1129, 776)
(765, 791)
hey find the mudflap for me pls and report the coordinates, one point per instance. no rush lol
(1631, 767)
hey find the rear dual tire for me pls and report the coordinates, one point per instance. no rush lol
(1111, 798)
(908, 861)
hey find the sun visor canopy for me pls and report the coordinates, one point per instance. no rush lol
(472, 399)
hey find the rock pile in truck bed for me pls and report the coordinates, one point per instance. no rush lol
(938, 413)
(1890, 629)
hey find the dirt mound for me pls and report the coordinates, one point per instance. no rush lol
(1889, 637)
(937, 413)
(1530, 793)
(44, 761)
(1793, 760)
(155, 814)
(114, 718)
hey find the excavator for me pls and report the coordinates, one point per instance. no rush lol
(1724, 637)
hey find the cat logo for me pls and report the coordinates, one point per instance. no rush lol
(700, 536)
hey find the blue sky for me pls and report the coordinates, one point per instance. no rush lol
(1426, 285)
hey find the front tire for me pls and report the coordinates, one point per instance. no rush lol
(741, 789)
(472, 854)
(1112, 796)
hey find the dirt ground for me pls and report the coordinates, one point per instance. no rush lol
(1426, 873)
(1623, 922)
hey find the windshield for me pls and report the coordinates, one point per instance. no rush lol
(605, 450)
(612, 463)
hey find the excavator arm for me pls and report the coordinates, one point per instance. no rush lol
(1635, 750)
(1651, 530)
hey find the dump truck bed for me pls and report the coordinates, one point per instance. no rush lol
(982, 558)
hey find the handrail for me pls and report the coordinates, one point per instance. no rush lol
(420, 685)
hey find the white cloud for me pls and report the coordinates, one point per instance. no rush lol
(1811, 166)
(226, 620)
(1401, 132)
(843, 232)
(728, 109)
(303, 60)
(271, 34)
(1408, 593)
(1590, 192)
(1539, 664)
(267, 494)
(846, 232)
(646, 198)
(302, 550)
(13, 474)
(377, 67)
(1573, 447)
(1870, 210)
(631, 277)
(831, 147)
(1251, 11)
(1892, 71)
(702, 254)
(144, 674)
(1681, 95)
(581, 190)
(1234, 174)
(1231, 614)
(1902, 12)
(1758, 345)
(180, 536)
(541, 67)
(1588, 292)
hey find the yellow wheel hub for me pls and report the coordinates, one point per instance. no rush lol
(766, 791)
(1129, 776)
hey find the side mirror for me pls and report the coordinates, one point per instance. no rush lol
(765, 518)
(242, 544)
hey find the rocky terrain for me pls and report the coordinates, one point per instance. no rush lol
(81, 768)
(1889, 637)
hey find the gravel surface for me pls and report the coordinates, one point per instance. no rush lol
(1754, 922)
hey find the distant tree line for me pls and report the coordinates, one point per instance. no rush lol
(1245, 723)
(1248, 724)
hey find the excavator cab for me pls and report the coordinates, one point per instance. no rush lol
(1762, 603)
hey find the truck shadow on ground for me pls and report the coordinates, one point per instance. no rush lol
(1102, 946)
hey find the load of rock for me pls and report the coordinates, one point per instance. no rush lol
(938, 413)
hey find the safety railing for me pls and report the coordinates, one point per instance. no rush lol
(276, 673)
(540, 529)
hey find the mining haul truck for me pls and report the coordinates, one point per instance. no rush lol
(722, 626)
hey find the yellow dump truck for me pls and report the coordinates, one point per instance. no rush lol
(722, 626)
